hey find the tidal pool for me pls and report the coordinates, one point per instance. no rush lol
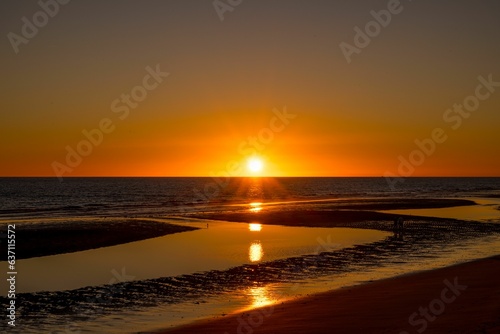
(216, 246)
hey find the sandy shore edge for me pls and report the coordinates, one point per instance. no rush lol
(56, 238)
(462, 298)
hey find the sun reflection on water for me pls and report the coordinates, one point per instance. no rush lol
(255, 252)
(255, 207)
(260, 296)
(254, 227)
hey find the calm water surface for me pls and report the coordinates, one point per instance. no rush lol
(219, 247)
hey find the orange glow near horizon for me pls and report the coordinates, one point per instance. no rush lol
(293, 152)
(144, 159)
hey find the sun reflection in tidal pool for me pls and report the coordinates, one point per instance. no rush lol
(255, 252)
(260, 296)
(254, 227)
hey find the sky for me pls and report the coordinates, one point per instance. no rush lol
(199, 87)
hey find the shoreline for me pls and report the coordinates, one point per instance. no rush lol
(59, 238)
(337, 213)
(380, 306)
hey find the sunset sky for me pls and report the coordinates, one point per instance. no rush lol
(272, 70)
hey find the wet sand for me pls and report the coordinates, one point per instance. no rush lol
(56, 238)
(470, 305)
(309, 218)
(335, 213)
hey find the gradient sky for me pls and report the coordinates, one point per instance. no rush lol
(226, 77)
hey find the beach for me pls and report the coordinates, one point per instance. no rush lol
(319, 263)
(459, 299)
(393, 305)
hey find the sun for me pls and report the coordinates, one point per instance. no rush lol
(255, 164)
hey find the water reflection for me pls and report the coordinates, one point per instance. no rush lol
(255, 207)
(222, 246)
(254, 227)
(255, 188)
(255, 252)
(260, 296)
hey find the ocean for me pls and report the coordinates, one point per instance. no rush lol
(45, 197)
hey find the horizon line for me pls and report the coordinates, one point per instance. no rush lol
(247, 176)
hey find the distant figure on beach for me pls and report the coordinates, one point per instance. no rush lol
(398, 228)
(207, 225)
(398, 224)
